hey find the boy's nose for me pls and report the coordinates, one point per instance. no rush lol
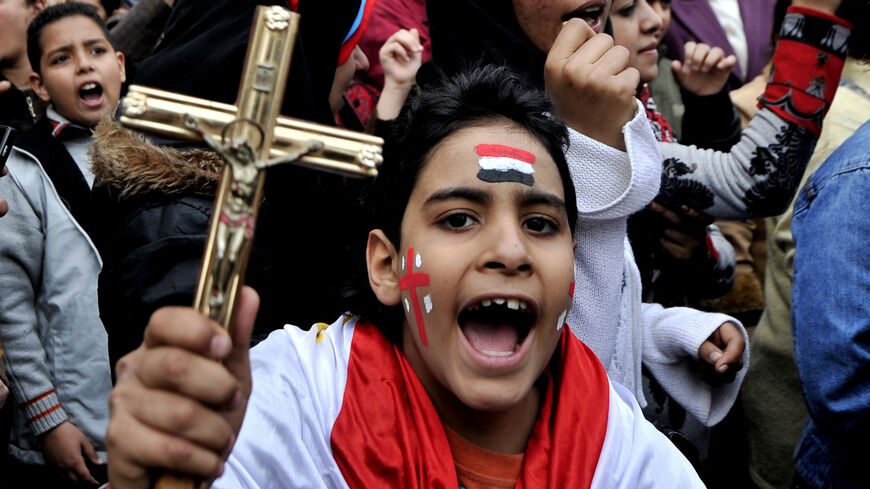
(507, 249)
(85, 65)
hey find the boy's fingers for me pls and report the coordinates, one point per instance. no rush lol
(628, 78)
(89, 452)
(709, 352)
(727, 63)
(574, 34)
(154, 449)
(188, 374)
(689, 52)
(664, 212)
(183, 417)
(712, 59)
(724, 347)
(613, 62)
(395, 50)
(238, 362)
(698, 56)
(734, 345)
(415, 35)
(409, 41)
(187, 328)
(80, 470)
(676, 250)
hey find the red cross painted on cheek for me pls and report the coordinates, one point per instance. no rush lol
(410, 282)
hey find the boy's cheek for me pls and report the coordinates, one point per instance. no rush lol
(415, 285)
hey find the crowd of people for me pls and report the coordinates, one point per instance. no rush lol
(588, 215)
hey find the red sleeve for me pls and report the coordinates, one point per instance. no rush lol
(806, 67)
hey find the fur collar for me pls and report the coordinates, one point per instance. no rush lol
(131, 166)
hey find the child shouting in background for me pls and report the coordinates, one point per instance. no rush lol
(56, 346)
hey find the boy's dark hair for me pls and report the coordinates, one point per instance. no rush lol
(51, 15)
(484, 95)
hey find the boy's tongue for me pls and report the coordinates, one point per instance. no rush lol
(92, 99)
(492, 337)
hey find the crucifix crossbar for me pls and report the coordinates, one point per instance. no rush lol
(250, 137)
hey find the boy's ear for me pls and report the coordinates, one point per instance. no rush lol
(39, 87)
(121, 67)
(381, 263)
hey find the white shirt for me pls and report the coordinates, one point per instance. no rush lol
(728, 13)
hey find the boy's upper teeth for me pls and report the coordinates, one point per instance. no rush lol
(515, 304)
(89, 86)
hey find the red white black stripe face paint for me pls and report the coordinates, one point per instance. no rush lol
(409, 282)
(500, 163)
(564, 314)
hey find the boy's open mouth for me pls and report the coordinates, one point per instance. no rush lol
(91, 94)
(497, 327)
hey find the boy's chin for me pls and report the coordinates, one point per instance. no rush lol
(89, 118)
(494, 402)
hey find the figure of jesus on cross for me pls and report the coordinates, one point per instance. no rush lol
(235, 226)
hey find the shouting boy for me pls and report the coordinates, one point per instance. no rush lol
(454, 368)
(56, 352)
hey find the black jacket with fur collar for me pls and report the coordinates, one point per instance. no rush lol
(155, 204)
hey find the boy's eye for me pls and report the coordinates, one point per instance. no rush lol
(59, 59)
(541, 225)
(99, 50)
(460, 220)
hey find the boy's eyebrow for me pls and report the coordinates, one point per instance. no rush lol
(467, 193)
(529, 198)
(67, 47)
(542, 198)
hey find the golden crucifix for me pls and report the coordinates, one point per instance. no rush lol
(250, 137)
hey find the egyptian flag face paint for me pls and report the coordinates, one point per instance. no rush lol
(564, 314)
(500, 163)
(409, 282)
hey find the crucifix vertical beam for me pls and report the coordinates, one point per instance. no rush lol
(261, 91)
(245, 143)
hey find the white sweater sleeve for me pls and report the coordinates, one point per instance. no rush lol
(671, 339)
(610, 185)
(613, 184)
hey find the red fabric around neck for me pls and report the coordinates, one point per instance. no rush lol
(388, 433)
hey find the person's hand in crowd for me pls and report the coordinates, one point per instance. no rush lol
(591, 82)
(175, 406)
(5, 85)
(65, 447)
(722, 353)
(705, 70)
(401, 57)
(685, 234)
